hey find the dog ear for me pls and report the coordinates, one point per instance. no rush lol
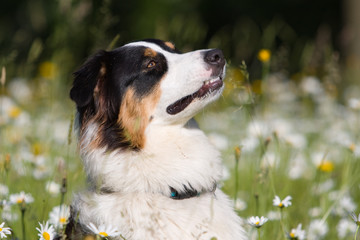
(86, 78)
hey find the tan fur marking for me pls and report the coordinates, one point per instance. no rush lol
(170, 45)
(101, 76)
(150, 52)
(102, 69)
(100, 105)
(134, 115)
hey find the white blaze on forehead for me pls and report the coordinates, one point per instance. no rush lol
(169, 55)
(151, 45)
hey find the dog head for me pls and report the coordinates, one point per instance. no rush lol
(124, 91)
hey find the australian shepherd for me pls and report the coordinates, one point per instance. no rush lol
(151, 174)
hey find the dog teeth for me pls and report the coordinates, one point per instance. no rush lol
(211, 80)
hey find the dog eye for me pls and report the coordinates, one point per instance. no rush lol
(151, 64)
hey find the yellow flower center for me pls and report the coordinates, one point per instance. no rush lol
(104, 234)
(326, 166)
(46, 236)
(48, 70)
(281, 204)
(14, 112)
(0, 229)
(292, 235)
(20, 200)
(36, 149)
(62, 220)
(352, 147)
(257, 223)
(264, 55)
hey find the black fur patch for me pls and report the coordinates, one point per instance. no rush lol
(100, 84)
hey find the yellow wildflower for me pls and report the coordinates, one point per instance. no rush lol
(14, 112)
(48, 70)
(326, 166)
(264, 55)
(37, 149)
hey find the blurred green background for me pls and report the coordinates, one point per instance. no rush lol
(301, 95)
(303, 35)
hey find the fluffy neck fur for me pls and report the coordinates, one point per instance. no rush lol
(173, 156)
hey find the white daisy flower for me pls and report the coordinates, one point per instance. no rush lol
(345, 228)
(269, 160)
(4, 190)
(315, 212)
(220, 141)
(345, 204)
(354, 103)
(21, 197)
(20, 89)
(282, 203)
(6, 213)
(53, 188)
(240, 205)
(104, 231)
(4, 230)
(249, 144)
(59, 216)
(258, 129)
(356, 219)
(46, 231)
(257, 221)
(41, 169)
(297, 233)
(274, 215)
(297, 167)
(317, 230)
(311, 86)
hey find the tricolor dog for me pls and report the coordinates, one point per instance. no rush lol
(150, 175)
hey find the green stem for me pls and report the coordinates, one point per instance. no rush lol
(257, 204)
(282, 222)
(23, 221)
(122, 237)
(236, 177)
(63, 190)
(259, 237)
(357, 230)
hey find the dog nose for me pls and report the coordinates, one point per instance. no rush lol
(215, 57)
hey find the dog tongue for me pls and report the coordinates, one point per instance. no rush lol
(181, 104)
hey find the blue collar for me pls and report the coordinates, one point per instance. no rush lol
(187, 193)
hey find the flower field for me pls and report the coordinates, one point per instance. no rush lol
(291, 153)
(290, 140)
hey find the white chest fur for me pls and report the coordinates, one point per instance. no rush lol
(139, 204)
(173, 156)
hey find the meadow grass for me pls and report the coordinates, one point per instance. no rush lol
(278, 137)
